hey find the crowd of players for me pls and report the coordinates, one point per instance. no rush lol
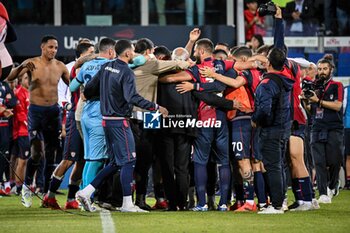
(266, 124)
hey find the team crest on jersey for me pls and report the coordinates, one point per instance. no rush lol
(26, 153)
(133, 154)
(331, 96)
(72, 154)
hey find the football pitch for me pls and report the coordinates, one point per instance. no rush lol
(15, 218)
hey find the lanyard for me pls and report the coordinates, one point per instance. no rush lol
(329, 83)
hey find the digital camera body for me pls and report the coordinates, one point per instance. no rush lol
(267, 9)
(316, 86)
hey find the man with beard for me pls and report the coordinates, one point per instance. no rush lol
(327, 133)
(115, 81)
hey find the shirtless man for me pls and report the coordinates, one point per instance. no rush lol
(43, 115)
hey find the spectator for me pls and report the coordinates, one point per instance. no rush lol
(343, 17)
(256, 42)
(253, 22)
(329, 15)
(200, 4)
(160, 4)
(299, 15)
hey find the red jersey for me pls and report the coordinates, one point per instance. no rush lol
(20, 119)
(205, 111)
(292, 71)
(248, 17)
(252, 77)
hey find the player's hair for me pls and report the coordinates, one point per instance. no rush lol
(105, 44)
(242, 51)
(263, 49)
(143, 44)
(82, 48)
(162, 50)
(218, 51)
(277, 58)
(206, 44)
(84, 40)
(46, 38)
(327, 58)
(223, 44)
(122, 45)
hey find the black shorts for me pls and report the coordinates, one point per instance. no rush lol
(299, 131)
(347, 141)
(21, 147)
(73, 144)
(4, 139)
(44, 123)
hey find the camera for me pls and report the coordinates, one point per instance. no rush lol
(307, 87)
(267, 9)
(317, 86)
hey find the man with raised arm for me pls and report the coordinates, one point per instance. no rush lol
(44, 124)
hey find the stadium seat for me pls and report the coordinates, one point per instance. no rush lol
(295, 55)
(343, 64)
(314, 57)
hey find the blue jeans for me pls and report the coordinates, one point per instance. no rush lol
(200, 11)
(343, 21)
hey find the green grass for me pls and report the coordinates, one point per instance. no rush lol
(330, 218)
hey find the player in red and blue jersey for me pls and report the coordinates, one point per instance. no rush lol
(202, 146)
(21, 147)
(244, 137)
(7, 102)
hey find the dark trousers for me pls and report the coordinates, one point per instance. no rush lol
(175, 157)
(328, 153)
(144, 140)
(308, 157)
(272, 149)
(4, 150)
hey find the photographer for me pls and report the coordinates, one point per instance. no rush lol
(325, 106)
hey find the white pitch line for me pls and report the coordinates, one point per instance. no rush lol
(107, 221)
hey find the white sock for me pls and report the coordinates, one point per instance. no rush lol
(25, 187)
(262, 204)
(7, 184)
(127, 202)
(300, 202)
(307, 202)
(250, 202)
(88, 190)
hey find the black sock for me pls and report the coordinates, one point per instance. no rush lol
(72, 190)
(31, 169)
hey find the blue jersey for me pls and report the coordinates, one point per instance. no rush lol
(115, 83)
(89, 69)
